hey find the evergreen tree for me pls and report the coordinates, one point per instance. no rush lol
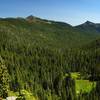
(4, 79)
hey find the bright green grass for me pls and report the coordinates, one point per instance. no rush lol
(28, 95)
(75, 75)
(84, 86)
(11, 93)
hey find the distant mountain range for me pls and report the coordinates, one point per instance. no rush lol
(32, 30)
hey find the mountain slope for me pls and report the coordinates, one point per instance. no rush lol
(89, 28)
(33, 30)
(94, 45)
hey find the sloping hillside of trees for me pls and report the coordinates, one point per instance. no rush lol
(40, 55)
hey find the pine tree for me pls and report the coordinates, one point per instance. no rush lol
(4, 79)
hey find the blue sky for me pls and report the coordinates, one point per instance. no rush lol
(71, 11)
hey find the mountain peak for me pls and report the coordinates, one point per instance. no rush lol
(31, 17)
(89, 23)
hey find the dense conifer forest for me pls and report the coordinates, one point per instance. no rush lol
(47, 59)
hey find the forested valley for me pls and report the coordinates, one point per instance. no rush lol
(48, 60)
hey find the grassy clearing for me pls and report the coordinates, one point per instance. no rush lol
(27, 95)
(84, 86)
